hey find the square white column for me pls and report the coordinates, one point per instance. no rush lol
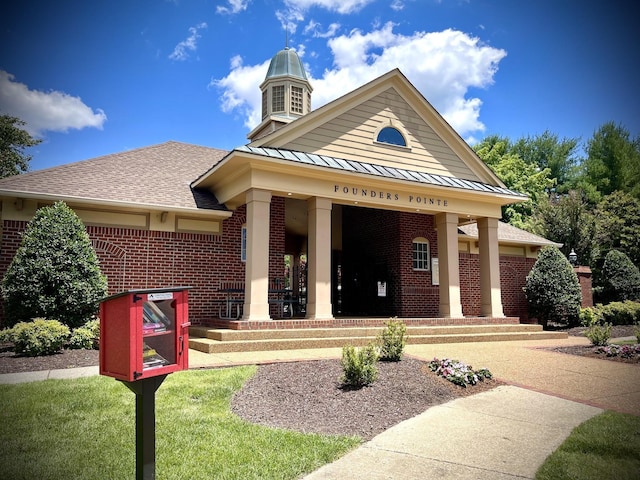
(448, 260)
(319, 259)
(256, 294)
(490, 293)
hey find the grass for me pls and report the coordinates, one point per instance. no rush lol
(606, 447)
(85, 429)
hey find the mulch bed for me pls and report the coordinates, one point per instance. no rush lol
(308, 397)
(12, 363)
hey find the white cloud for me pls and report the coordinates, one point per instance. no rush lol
(234, 6)
(315, 30)
(46, 111)
(443, 66)
(397, 5)
(190, 44)
(339, 6)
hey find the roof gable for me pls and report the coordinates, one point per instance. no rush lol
(347, 128)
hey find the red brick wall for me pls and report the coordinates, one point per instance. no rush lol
(133, 258)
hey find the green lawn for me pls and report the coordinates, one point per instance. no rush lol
(606, 447)
(85, 429)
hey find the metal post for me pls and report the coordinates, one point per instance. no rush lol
(145, 390)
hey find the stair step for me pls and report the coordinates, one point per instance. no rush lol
(348, 332)
(209, 345)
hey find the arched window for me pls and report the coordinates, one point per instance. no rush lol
(391, 136)
(420, 254)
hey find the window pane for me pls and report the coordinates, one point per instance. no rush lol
(243, 248)
(277, 98)
(420, 256)
(392, 136)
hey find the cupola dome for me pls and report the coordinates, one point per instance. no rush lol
(286, 63)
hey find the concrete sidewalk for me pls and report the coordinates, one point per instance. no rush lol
(505, 433)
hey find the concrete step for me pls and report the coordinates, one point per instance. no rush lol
(209, 345)
(224, 335)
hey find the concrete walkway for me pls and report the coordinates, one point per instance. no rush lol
(504, 433)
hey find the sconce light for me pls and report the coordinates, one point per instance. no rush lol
(573, 258)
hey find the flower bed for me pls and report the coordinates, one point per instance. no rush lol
(624, 351)
(458, 372)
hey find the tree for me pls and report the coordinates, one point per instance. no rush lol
(516, 175)
(548, 151)
(620, 278)
(613, 162)
(13, 141)
(618, 226)
(567, 219)
(55, 273)
(552, 289)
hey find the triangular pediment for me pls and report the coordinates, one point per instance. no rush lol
(348, 128)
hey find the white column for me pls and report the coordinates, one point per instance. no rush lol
(450, 304)
(319, 259)
(256, 299)
(490, 294)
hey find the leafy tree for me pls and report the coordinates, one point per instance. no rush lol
(548, 151)
(55, 273)
(567, 219)
(612, 163)
(620, 278)
(517, 175)
(13, 141)
(618, 226)
(552, 289)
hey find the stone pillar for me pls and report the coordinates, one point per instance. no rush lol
(256, 299)
(490, 293)
(448, 260)
(319, 259)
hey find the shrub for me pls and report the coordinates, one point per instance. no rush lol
(599, 335)
(552, 289)
(86, 337)
(55, 272)
(590, 316)
(636, 332)
(359, 365)
(39, 337)
(620, 313)
(620, 278)
(457, 372)
(391, 341)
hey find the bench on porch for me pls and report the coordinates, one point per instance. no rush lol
(231, 307)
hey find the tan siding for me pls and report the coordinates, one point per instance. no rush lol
(351, 136)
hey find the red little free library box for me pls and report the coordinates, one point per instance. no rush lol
(144, 333)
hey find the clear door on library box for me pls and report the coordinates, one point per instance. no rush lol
(144, 333)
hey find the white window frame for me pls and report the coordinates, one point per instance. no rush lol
(420, 255)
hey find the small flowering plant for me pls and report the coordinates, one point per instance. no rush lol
(457, 372)
(624, 351)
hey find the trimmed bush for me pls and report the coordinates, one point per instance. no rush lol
(86, 337)
(636, 332)
(590, 316)
(39, 337)
(552, 289)
(599, 335)
(620, 313)
(55, 272)
(391, 341)
(359, 366)
(620, 278)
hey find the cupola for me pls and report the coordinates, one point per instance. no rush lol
(286, 93)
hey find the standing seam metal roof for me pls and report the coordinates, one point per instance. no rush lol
(377, 170)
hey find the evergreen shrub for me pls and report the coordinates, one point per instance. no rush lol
(38, 337)
(552, 289)
(391, 341)
(620, 313)
(55, 272)
(599, 335)
(620, 278)
(359, 366)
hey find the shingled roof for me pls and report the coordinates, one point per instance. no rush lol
(508, 234)
(155, 176)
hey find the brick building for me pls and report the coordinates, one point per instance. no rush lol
(371, 205)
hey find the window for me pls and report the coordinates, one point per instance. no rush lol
(420, 254)
(392, 136)
(296, 99)
(277, 98)
(243, 248)
(264, 103)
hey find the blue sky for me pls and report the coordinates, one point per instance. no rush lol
(99, 77)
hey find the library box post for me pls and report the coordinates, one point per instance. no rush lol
(144, 333)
